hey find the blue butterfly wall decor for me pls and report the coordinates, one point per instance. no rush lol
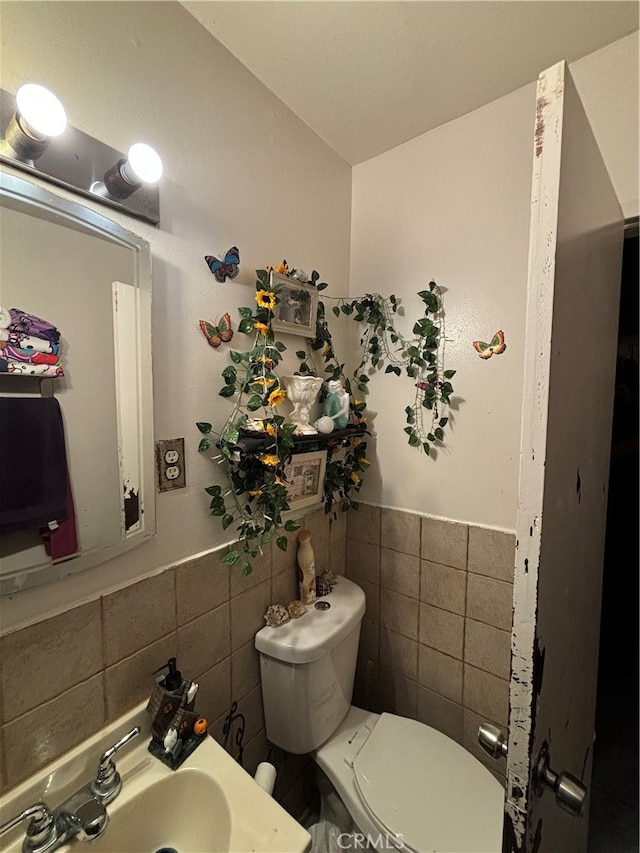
(228, 268)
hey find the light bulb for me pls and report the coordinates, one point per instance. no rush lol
(145, 163)
(142, 166)
(41, 110)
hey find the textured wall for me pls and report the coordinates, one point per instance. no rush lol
(608, 82)
(240, 168)
(453, 205)
(63, 678)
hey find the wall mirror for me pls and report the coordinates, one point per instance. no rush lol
(91, 279)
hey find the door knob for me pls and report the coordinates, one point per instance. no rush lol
(570, 792)
(493, 740)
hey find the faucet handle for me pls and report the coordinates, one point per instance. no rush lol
(89, 819)
(41, 831)
(107, 784)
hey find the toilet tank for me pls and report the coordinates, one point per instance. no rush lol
(307, 669)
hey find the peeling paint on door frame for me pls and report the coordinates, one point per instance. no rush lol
(527, 651)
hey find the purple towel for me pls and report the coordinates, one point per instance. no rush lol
(29, 356)
(24, 341)
(62, 542)
(29, 324)
(33, 474)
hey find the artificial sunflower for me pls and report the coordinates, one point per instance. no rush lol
(262, 380)
(255, 493)
(270, 459)
(271, 429)
(262, 328)
(282, 268)
(355, 478)
(277, 396)
(266, 299)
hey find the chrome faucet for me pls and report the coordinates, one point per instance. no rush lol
(43, 828)
(83, 815)
(86, 817)
(107, 784)
(48, 829)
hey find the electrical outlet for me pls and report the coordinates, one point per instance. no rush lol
(170, 464)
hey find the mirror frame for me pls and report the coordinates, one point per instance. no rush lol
(25, 196)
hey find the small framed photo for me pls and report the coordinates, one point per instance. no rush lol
(305, 479)
(296, 306)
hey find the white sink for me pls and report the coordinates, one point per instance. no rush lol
(146, 820)
(209, 805)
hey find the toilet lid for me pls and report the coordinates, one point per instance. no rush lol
(420, 785)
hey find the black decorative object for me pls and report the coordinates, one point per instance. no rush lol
(231, 717)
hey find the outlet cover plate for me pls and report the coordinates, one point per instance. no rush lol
(170, 464)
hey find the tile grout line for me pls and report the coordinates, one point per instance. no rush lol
(420, 534)
(379, 643)
(464, 623)
(175, 613)
(103, 647)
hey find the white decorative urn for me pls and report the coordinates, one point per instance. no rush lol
(302, 390)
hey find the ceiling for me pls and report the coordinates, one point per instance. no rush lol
(367, 75)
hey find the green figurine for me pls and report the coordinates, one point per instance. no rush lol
(336, 404)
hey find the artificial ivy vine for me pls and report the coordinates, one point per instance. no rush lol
(420, 357)
(255, 467)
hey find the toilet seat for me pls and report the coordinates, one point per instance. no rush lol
(424, 788)
(399, 777)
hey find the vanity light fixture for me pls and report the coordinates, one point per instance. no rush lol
(141, 166)
(38, 118)
(36, 139)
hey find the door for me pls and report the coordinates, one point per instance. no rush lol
(575, 255)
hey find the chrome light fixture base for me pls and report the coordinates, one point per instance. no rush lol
(74, 161)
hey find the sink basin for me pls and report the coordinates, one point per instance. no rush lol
(147, 820)
(208, 805)
(186, 811)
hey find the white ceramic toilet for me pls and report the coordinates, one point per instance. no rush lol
(399, 779)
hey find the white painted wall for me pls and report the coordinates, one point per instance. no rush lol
(607, 82)
(240, 168)
(453, 204)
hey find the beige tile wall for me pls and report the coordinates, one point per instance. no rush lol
(65, 677)
(435, 641)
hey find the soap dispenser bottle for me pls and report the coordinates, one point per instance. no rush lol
(176, 728)
(172, 681)
(167, 697)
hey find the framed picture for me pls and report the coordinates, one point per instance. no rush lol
(305, 479)
(296, 306)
